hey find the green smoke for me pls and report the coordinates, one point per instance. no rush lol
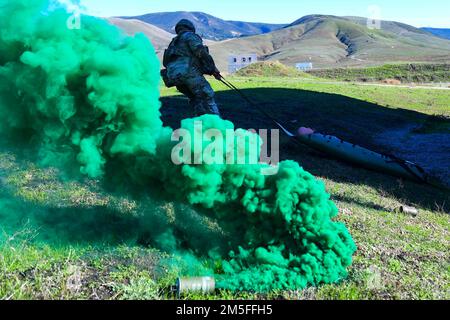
(89, 98)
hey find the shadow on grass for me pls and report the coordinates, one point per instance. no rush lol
(330, 113)
(351, 119)
(50, 224)
(155, 223)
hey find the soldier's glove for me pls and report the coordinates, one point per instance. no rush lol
(217, 74)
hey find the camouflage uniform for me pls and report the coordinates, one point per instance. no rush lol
(187, 60)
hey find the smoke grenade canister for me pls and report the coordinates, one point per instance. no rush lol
(196, 284)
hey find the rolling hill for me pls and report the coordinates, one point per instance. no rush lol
(209, 27)
(330, 41)
(326, 41)
(439, 32)
(159, 38)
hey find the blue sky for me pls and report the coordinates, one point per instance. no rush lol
(434, 13)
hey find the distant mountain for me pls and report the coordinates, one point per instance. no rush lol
(330, 41)
(441, 33)
(209, 27)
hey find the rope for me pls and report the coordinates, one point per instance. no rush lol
(250, 102)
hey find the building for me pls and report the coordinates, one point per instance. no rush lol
(304, 66)
(237, 62)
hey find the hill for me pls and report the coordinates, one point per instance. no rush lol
(330, 41)
(208, 26)
(441, 33)
(270, 69)
(159, 38)
(326, 41)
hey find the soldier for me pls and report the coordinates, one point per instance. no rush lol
(186, 61)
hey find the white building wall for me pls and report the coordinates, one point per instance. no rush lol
(304, 66)
(237, 62)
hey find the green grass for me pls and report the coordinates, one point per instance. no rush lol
(399, 256)
(406, 73)
(270, 69)
(431, 102)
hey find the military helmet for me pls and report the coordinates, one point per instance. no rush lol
(184, 24)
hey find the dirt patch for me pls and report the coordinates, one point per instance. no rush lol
(392, 82)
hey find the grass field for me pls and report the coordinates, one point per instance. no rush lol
(399, 256)
(405, 73)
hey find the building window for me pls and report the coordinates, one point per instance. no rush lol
(234, 60)
(244, 60)
(250, 59)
